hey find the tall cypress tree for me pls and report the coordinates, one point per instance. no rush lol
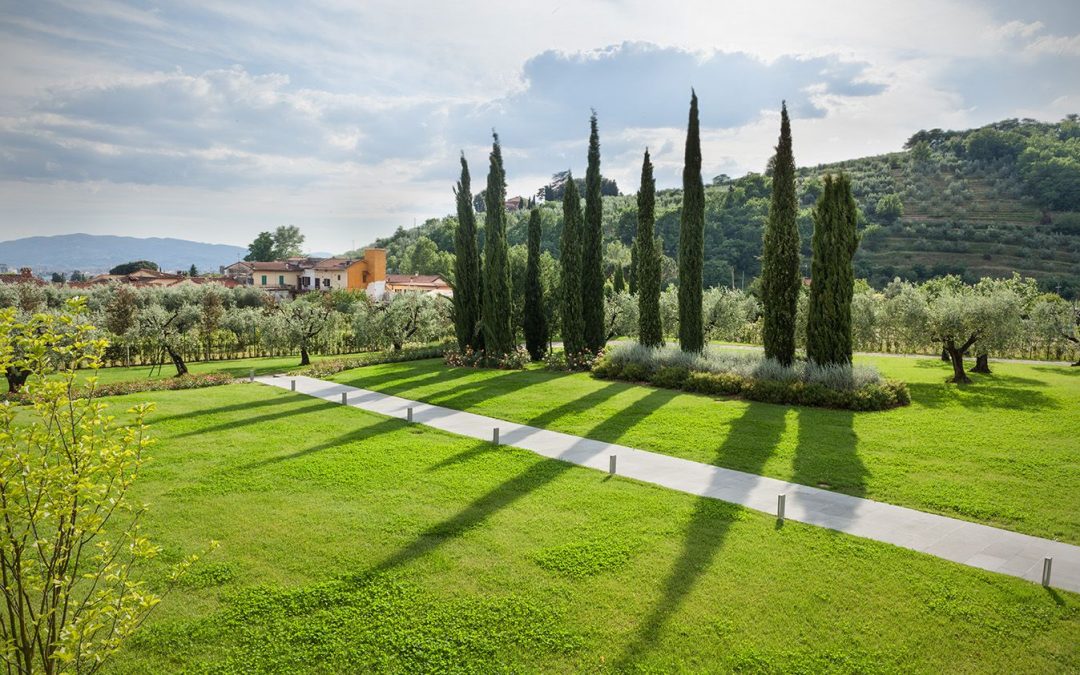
(592, 275)
(498, 332)
(466, 266)
(692, 239)
(832, 276)
(535, 319)
(573, 333)
(780, 254)
(650, 331)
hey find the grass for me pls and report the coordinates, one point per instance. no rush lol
(355, 543)
(1004, 451)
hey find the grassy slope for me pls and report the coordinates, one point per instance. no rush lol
(1005, 451)
(351, 542)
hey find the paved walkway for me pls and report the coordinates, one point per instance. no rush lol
(961, 541)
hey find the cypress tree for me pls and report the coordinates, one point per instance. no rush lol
(466, 266)
(650, 332)
(535, 320)
(592, 275)
(570, 258)
(780, 254)
(692, 239)
(498, 332)
(832, 277)
(618, 281)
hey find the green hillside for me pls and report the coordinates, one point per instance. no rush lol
(980, 202)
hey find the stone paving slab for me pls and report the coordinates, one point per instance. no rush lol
(968, 543)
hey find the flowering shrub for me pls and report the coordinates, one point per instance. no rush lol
(326, 367)
(516, 359)
(753, 377)
(583, 360)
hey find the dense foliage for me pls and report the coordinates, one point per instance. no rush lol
(573, 329)
(691, 238)
(467, 287)
(647, 258)
(592, 273)
(832, 280)
(780, 278)
(534, 321)
(496, 313)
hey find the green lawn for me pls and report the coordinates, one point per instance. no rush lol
(355, 543)
(1004, 451)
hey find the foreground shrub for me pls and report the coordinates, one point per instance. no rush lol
(579, 361)
(753, 377)
(516, 359)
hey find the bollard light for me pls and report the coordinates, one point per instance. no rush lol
(292, 384)
(780, 499)
(495, 436)
(1048, 561)
(611, 464)
(408, 414)
(251, 375)
(344, 398)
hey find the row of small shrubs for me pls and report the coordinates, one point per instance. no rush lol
(188, 381)
(516, 359)
(326, 367)
(753, 377)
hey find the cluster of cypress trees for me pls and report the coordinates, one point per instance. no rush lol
(692, 239)
(647, 259)
(828, 330)
(780, 278)
(482, 311)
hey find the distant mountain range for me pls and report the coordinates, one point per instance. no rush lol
(99, 253)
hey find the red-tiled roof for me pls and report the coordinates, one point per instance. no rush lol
(416, 280)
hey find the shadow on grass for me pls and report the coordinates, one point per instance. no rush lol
(369, 431)
(403, 377)
(709, 525)
(235, 407)
(313, 406)
(511, 490)
(826, 455)
(1072, 370)
(983, 393)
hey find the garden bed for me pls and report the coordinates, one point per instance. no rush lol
(753, 377)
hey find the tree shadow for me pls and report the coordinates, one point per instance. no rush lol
(592, 399)
(235, 407)
(709, 524)
(826, 454)
(1069, 371)
(369, 431)
(511, 490)
(403, 377)
(983, 393)
(313, 406)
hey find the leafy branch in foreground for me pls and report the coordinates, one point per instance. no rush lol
(70, 545)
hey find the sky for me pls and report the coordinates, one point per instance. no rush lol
(213, 120)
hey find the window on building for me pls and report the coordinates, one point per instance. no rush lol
(264, 280)
(281, 280)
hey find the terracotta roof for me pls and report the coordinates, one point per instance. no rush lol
(416, 280)
(334, 264)
(275, 265)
